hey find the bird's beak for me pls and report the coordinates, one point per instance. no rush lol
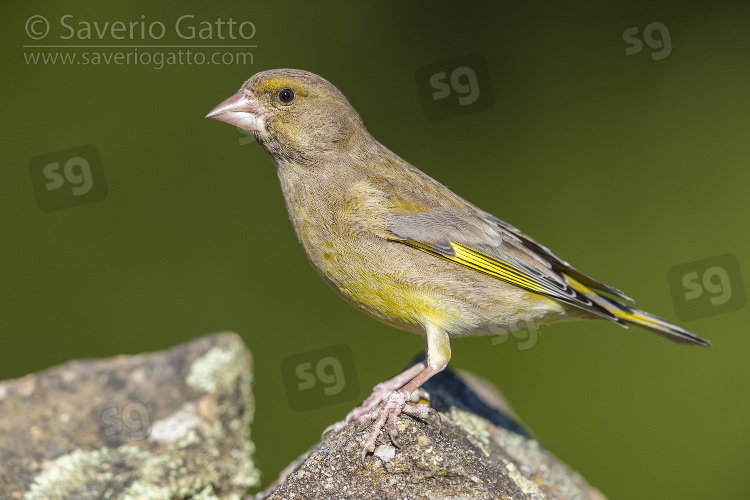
(241, 110)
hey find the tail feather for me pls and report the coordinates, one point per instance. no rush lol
(638, 317)
(656, 324)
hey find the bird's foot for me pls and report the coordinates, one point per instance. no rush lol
(387, 416)
(394, 394)
(380, 393)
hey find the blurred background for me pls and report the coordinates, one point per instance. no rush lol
(616, 133)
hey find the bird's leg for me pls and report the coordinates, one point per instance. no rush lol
(380, 392)
(438, 354)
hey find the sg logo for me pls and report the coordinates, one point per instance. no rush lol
(320, 378)
(133, 416)
(463, 81)
(68, 178)
(661, 44)
(328, 372)
(455, 87)
(526, 333)
(707, 287)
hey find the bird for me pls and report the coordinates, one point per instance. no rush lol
(402, 247)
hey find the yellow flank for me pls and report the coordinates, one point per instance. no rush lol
(406, 307)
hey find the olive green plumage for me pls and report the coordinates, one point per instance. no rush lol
(385, 236)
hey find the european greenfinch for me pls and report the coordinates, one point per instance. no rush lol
(402, 247)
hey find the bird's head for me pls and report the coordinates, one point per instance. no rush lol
(296, 116)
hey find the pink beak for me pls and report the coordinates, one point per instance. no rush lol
(241, 110)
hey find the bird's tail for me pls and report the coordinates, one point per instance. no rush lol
(655, 324)
(627, 314)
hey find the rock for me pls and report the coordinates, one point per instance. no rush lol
(480, 451)
(175, 424)
(170, 424)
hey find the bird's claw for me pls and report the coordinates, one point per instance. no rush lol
(386, 416)
(381, 393)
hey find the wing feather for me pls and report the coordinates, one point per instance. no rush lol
(479, 243)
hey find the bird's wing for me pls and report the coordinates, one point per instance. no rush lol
(479, 241)
(555, 261)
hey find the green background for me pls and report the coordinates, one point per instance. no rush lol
(623, 165)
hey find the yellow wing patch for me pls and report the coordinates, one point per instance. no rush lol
(494, 267)
(479, 261)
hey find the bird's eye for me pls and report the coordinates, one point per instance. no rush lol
(286, 95)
